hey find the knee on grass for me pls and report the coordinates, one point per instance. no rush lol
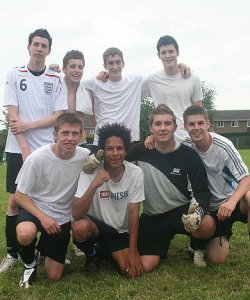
(217, 258)
(150, 263)
(54, 276)
(218, 250)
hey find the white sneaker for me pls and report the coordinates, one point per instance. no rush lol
(7, 263)
(198, 257)
(77, 251)
(28, 277)
(67, 258)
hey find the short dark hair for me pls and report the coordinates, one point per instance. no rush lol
(161, 109)
(112, 52)
(73, 54)
(68, 118)
(114, 129)
(167, 40)
(42, 33)
(194, 110)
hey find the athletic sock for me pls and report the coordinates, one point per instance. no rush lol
(31, 265)
(27, 253)
(87, 246)
(197, 244)
(11, 239)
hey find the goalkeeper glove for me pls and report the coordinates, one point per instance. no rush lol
(192, 220)
(92, 162)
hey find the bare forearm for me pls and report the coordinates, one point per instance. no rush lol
(27, 203)
(133, 224)
(81, 205)
(46, 122)
(242, 188)
(25, 149)
(81, 116)
(49, 224)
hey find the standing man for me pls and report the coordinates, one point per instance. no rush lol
(229, 182)
(168, 86)
(33, 99)
(106, 205)
(168, 209)
(46, 185)
(78, 98)
(117, 99)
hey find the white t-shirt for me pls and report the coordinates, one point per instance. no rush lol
(111, 200)
(51, 182)
(117, 102)
(83, 101)
(224, 166)
(174, 91)
(37, 97)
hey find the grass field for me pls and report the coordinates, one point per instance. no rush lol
(176, 278)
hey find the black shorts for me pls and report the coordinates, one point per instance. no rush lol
(224, 228)
(14, 164)
(110, 239)
(157, 231)
(51, 245)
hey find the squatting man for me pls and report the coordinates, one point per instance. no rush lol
(46, 185)
(229, 182)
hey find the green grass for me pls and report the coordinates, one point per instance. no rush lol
(176, 278)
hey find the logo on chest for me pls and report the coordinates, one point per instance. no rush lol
(176, 171)
(48, 87)
(104, 195)
(107, 195)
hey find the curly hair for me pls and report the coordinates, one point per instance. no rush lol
(115, 129)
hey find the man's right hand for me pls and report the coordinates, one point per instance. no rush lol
(185, 70)
(55, 68)
(149, 142)
(50, 225)
(101, 177)
(103, 76)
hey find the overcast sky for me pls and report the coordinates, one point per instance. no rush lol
(213, 36)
